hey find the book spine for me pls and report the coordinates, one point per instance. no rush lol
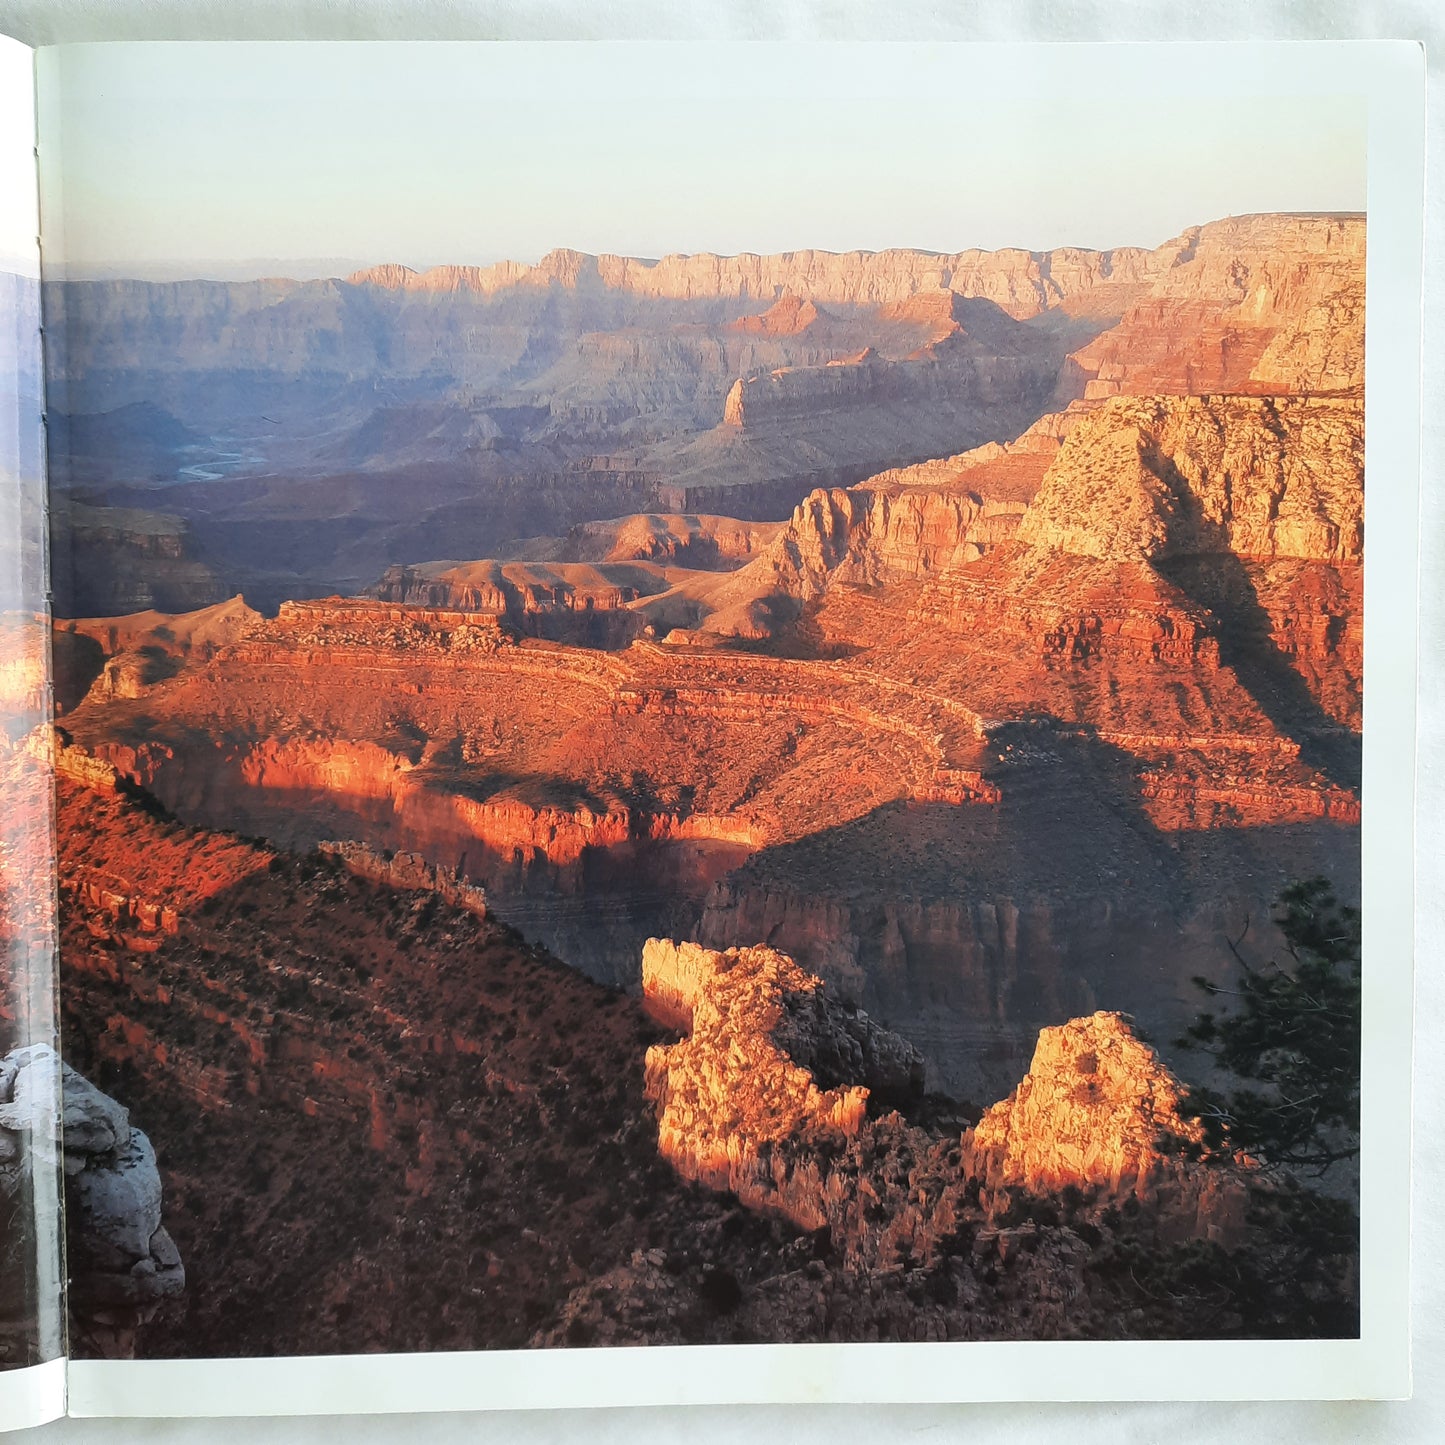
(31, 1228)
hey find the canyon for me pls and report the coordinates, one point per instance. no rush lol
(289, 1024)
(972, 758)
(290, 439)
(734, 716)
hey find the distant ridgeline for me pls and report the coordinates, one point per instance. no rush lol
(295, 438)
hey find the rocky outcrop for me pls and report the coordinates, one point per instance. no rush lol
(122, 1262)
(337, 623)
(77, 765)
(778, 1104)
(1099, 1112)
(124, 657)
(734, 1103)
(1266, 304)
(409, 872)
(787, 316)
(517, 589)
(866, 537)
(813, 1027)
(599, 566)
(946, 377)
(1151, 478)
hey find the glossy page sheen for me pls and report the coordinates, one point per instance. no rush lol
(30, 1267)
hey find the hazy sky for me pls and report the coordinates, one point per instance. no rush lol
(201, 158)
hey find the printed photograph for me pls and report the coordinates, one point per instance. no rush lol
(698, 703)
(31, 1328)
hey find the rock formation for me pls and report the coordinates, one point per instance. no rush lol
(787, 316)
(409, 872)
(1022, 282)
(518, 589)
(865, 536)
(125, 656)
(1098, 1112)
(1266, 304)
(310, 434)
(149, 561)
(122, 1263)
(1151, 478)
(349, 1082)
(742, 1107)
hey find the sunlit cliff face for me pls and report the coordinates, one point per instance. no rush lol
(744, 1105)
(1004, 718)
(525, 1138)
(971, 739)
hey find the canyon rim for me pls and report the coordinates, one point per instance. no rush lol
(697, 798)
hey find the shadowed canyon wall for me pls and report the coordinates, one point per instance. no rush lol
(347, 1080)
(951, 655)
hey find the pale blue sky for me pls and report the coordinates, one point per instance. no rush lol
(202, 158)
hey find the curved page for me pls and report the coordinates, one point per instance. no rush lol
(30, 1273)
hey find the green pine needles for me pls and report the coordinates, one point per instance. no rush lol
(1292, 1031)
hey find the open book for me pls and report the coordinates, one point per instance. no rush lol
(829, 767)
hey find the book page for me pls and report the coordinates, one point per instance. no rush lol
(671, 739)
(30, 1260)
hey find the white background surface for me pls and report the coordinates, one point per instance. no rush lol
(1422, 1419)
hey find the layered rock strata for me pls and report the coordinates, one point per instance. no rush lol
(279, 710)
(409, 872)
(1022, 282)
(862, 537)
(1266, 304)
(471, 409)
(349, 1083)
(941, 376)
(149, 561)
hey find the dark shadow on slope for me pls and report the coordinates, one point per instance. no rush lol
(1221, 582)
(344, 1089)
(966, 929)
(1212, 575)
